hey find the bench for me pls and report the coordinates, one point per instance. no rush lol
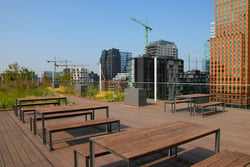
(226, 158)
(74, 125)
(83, 149)
(189, 101)
(29, 107)
(209, 104)
(62, 115)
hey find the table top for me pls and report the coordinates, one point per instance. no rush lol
(40, 98)
(193, 96)
(68, 108)
(137, 143)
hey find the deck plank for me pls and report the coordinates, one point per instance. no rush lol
(234, 125)
(17, 149)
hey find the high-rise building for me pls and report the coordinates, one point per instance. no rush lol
(162, 48)
(229, 53)
(206, 59)
(125, 61)
(111, 63)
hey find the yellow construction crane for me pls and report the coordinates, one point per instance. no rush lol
(146, 29)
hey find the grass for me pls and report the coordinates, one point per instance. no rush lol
(8, 94)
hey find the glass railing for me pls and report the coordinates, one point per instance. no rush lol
(233, 95)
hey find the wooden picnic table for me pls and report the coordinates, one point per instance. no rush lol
(192, 97)
(135, 144)
(66, 109)
(20, 101)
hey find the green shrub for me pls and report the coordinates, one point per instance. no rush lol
(109, 96)
(91, 92)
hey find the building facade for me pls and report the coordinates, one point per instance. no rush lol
(162, 48)
(79, 76)
(169, 73)
(206, 59)
(125, 61)
(196, 81)
(111, 63)
(229, 53)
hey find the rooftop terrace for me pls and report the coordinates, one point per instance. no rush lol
(19, 147)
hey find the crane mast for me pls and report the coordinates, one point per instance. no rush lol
(66, 65)
(147, 28)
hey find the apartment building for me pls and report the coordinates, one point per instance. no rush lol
(229, 53)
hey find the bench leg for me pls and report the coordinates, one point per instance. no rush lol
(20, 115)
(92, 116)
(175, 152)
(130, 163)
(217, 141)
(189, 108)
(75, 159)
(44, 136)
(118, 126)
(92, 153)
(164, 107)
(31, 124)
(34, 126)
(108, 128)
(202, 112)
(23, 116)
(50, 141)
(87, 161)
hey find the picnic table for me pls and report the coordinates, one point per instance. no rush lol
(23, 100)
(66, 109)
(193, 98)
(135, 144)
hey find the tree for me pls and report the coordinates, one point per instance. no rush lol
(65, 78)
(20, 77)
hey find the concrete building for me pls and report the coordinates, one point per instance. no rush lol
(195, 81)
(229, 53)
(111, 63)
(79, 76)
(162, 48)
(169, 73)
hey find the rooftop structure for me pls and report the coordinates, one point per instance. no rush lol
(162, 48)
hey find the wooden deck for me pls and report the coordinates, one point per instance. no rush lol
(234, 125)
(16, 149)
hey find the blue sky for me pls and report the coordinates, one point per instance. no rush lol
(34, 31)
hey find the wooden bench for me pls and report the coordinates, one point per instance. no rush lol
(74, 125)
(83, 150)
(189, 101)
(209, 104)
(29, 107)
(226, 158)
(62, 115)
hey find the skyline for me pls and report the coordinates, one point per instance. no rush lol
(33, 32)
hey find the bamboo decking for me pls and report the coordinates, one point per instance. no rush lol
(19, 147)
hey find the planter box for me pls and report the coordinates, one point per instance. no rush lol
(135, 96)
